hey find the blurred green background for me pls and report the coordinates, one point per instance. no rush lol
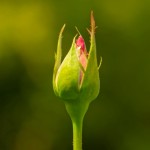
(32, 117)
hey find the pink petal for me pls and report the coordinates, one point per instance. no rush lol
(80, 44)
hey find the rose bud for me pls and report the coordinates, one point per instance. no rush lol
(77, 76)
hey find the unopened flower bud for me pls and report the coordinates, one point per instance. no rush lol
(77, 76)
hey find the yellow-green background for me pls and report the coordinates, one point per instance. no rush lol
(32, 117)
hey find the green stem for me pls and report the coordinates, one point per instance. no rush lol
(77, 134)
(76, 112)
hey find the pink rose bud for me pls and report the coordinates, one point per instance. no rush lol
(77, 75)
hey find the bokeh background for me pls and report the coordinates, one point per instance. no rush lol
(32, 117)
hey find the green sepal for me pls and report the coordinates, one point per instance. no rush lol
(67, 78)
(58, 56)
(91, 83)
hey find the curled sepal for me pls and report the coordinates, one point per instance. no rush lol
(58, 56)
